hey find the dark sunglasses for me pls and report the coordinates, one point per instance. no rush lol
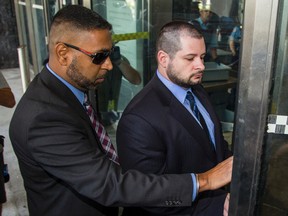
(97, 58)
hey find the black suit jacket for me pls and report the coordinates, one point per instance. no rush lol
(156, 134)
(63, 165)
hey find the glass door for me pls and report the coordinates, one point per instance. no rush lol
(23, 19)
(40, 32)
(32, 31)
(260, 152)
(33, 22)
(273, 189)
(130, 37)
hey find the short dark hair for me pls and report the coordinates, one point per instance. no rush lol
(72, 20)
(81, 18)
(169, 36)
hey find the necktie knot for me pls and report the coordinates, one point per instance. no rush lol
(89, 109)
(86, 100)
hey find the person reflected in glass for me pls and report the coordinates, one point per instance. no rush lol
(234, 43)
(208, 23)
(109, 90)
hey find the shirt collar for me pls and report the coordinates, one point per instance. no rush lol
(177, 91)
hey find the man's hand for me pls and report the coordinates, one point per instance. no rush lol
(226, 205)
(217, 177)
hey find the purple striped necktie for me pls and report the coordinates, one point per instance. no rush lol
(101, 132)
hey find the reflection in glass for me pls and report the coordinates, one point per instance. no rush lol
(40, 33)
(131, 16)
(117, 90)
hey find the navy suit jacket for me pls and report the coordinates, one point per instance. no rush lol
(63, 164)
(156, 134)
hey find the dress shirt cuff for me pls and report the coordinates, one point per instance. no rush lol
(195, 186)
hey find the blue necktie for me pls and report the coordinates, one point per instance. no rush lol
(193, 105)
(196, 112)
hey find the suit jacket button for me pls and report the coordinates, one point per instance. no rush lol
(169, 202)
(178, 202)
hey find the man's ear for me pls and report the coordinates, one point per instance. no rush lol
(62, 54)
(163, 58)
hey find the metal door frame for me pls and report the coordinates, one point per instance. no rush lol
(30, 32)
(252, 103)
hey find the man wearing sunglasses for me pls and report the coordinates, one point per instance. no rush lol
(66, 160)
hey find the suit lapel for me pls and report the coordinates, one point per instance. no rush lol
(62, 91)
(201, 94)
(193, 128)
(68, 97)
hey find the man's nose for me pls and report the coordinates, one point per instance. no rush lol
(200, 64)
(108, 64)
